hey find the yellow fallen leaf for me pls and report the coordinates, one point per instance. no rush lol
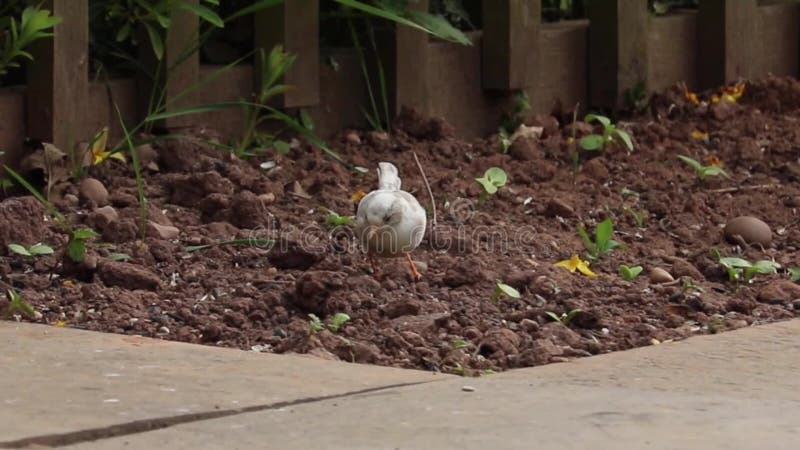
(357, 196)
(59, 323)
(699, 135)
(655, 341)
(68, 283)
(576, 263)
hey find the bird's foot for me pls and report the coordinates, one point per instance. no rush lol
(415, 275)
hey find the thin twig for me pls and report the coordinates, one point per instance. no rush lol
(428, 187)
(743, 188)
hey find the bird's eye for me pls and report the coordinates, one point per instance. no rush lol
(386, 219)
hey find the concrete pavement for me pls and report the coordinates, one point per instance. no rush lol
(737, 390)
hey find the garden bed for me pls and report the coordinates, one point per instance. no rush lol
(259, 298)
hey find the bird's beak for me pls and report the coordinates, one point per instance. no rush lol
(371, 231)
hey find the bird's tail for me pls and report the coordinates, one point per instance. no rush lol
(388, 177)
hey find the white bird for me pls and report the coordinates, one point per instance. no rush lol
(390, 222)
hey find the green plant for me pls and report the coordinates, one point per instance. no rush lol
(564, 318)
(315, 324)
(119, 257)
(33, 250)
(702, 171)
(76, 245)
(16, 36)
(794, 274)
(493, 179)
(333, 220)
(501, 289)
(602, 242)
(739, 269)
(272, 68)
(636, 98)
(611, 135)
(459, 344)
(337, 322)
(17, 305)
(638, 216)
(629, 273)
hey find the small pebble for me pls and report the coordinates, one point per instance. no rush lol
(163, 330)
(468, 389)
(659, 275)
(750, 229)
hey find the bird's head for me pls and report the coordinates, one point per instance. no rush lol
(385, 210)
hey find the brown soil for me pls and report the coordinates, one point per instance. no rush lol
(260, 298)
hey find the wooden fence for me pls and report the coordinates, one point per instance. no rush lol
(591, 61)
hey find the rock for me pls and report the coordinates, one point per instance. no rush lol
(313, 289)
(248, 211)
(21, 222)
(93, 191)
(404, 307)
(352, 138)
(529, 326)
(127, 276)
(560, 333)
(557, 207)
(467, 388)
(267, 198)
(596, 170)
(162, 231)
(365, 353)
(683, 268)
(290, 253)
(188, 190)
(102, 219)
(752, 230)
(525, 149)
(779, 292)
(122, 199)
(659, 275)
(71, 200)
(466, 274)
(549, 124)
(723, 110)
(421, 266)
(499, 342)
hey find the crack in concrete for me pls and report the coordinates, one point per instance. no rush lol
(158, 423)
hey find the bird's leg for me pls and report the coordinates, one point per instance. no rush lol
(414, 272)
(374, 266)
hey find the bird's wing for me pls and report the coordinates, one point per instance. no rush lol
(388, 177)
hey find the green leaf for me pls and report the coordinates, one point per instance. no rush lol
(487, 185)
(17, 304)
(590, 245)
(84, 233)
(592, 142)
(205, 13)
(337, 321)
(257, 6)
(626, 139)
(41, 249)
(692, 163)
(306, 120)
(281, 147)
(155, 40)
(765, 267)
(314, 323)
(553, 316)
(458, 343)
(76, 250)
(605, 121)
(19, 249)
(713, 171)
(119, 257)
(430, 24)
(629, 273)
(794, 274)
(506, 289)
(603, 233)
(496, 176)
(734, 262)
